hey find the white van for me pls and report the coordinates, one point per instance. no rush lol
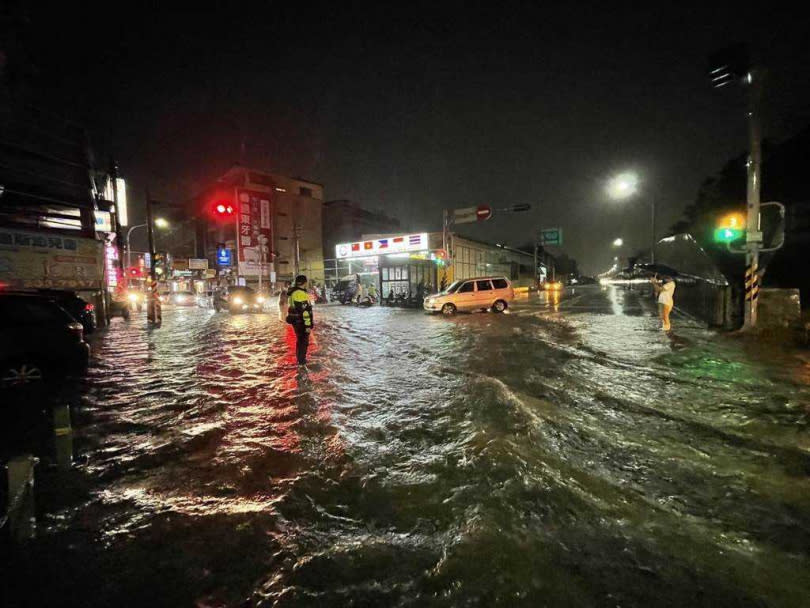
(479, 293)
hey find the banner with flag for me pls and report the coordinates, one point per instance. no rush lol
(407, 243)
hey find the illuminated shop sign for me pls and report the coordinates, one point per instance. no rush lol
(103, 221)
(121, 187)
(111, 261)
(392, 244)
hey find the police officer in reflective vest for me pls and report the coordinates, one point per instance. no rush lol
(300, 316)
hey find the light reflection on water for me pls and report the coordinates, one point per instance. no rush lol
(482, 459)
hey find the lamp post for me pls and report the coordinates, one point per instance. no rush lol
(159, 222)
(624, 186)
(618, 242)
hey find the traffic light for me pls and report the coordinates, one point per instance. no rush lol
(223, 209)
(730, 228)
(134, 272)
(439, 257)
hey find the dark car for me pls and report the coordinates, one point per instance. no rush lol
(38, 340)
(81, 310)
(238, 299)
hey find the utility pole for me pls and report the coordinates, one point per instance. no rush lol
(733, 64)
(652, 244)
(262, 258)
(153, 312)
(754, 183)
(298, 231)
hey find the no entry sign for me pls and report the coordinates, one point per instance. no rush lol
(483, 212)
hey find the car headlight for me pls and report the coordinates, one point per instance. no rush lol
(133, 297)
(237, 300)
(260, 300)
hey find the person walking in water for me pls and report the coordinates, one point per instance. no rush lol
(300, 317)
(665, 290)
(282, 302)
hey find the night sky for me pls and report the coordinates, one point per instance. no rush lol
(417, 109)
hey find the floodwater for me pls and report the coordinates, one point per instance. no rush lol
(566, 454)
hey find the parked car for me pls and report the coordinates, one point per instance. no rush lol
(239, 299)
(80, 309)
(479, 293)
(38, 339)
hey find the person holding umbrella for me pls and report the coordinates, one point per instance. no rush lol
(665, 292)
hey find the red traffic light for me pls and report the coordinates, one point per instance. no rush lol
(134, 272)
(223, 209)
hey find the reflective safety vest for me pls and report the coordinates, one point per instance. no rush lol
(300, 308)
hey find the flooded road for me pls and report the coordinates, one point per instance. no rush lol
(566, 454)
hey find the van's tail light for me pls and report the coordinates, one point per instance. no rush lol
(89, 308)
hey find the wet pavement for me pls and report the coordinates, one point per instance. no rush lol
(565, 454)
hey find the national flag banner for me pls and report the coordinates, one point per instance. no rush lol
(383, 243)
(399, 239)
(415, 239)
(368, 245)
(355, 246)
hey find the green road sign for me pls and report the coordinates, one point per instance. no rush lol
(551, 236)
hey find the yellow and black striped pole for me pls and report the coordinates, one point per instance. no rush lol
(751, 283)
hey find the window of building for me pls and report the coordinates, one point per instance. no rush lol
(304, 191)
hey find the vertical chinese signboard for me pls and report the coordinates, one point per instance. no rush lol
(255, 235)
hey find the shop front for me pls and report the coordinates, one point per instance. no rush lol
(404, 266)
(406, 276)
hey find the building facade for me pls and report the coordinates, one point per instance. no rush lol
(407, 265)
(257, 226)
(56, 229)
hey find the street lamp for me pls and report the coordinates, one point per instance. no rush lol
(159, 222)
(626, 185)
(618, 242)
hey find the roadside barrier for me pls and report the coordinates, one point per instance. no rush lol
(18, 521)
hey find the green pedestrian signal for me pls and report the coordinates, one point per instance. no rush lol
(728, 235)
